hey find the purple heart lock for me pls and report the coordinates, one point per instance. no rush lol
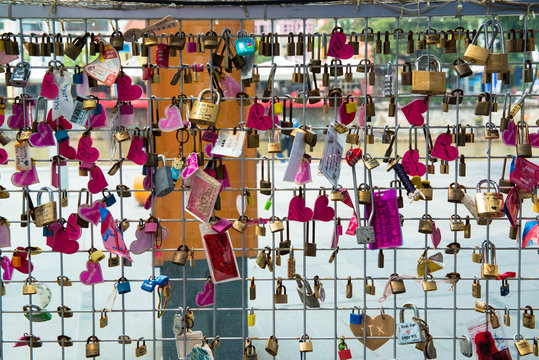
(93, 274)
(172, 119)
(91, 212)
(25, 177)
(206, 296)
(43, 137)
(127, 91)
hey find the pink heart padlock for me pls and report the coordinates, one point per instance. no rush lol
(338, 48)
(126, 90)
(221, 225)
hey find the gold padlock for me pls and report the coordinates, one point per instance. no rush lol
(141, 349)
(455, 193)
(272, 345)
(397, 284)
(337, 195)
(280, 296)
(305, 344)
(524, 148)
(475, 54)
(455, 223)
(28, 288)
(241, 224)
(426, 225)
(506, 317)
(92, 346)
(429, 82)
(489, 269)
(493, 318)
(489, 204)
(276, 225)
(45, 214)
(476, 289)
(249, 352)
(364, 194)
(428, 283)
(262, 259)
(180, 255)
(206, 113)
(476, 256)
(528, 319)
(103, 320)
(63, 281)
(252, 289)
(523, 346)
(370, 289)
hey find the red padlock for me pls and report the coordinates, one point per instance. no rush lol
(353, 156)
(162, 55)
(151, 225)
(344, 351)
(146, 72)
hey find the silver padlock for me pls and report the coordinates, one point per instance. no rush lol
(466, 346)
(164, 184)
(409, 332)
(21, 74)
(306, 294)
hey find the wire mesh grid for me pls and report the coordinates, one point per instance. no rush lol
(446, 312)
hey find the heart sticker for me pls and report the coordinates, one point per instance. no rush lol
(66, 150)
(62, 122)
(127, 91)
(91, 213)
(43, 137)
(380, 326)
(136, 153)
(98, 121)
(297, 211)
(205, 297)
(7, 272)
(257, 118)
(85, 150)
(322, 211)
(413, 112)
(3, 157)
(411, 164)
(25, 264)
(72, 228)
(509, 136)
(191, 167)
(25, 177)
(443, 149)
(436, 236)
(97, 180)
(172, 120)
(344, 117)
(338, 48)
(49, 88)
(93, 275)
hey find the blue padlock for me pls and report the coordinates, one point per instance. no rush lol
(46, 231)
(356, 319)
(61, 135)
(504, 289)
(144, 170)
(123, 286)
(161, 280)
(245, 45)
(108, 199)
(98, 110)
(77, 76)
(148, 285)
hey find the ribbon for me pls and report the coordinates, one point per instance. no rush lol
(296, 156)
(111, 299)
(163, 299)
(387, 288)
(507, 275)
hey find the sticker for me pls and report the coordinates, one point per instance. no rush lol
(219, 253)
(23, 161)
(107, 65)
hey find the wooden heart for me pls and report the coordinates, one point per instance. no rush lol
(380, 326)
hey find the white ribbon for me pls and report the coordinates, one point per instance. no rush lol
(296, 156)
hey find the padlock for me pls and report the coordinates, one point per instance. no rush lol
(364, 65)
(141, 349)
(92, 347)
(421, 43)
(504, 288)
(291, 46)
(352, 137)
(493, 317)
(524, 148)
(275, 224)
(20, 75)
(356, 319)
(369, 134)
(455, 223)
(162, 179)
(477, 257)
(103, 320)
(252, 286)
(397, 284)
(432, 37)
(262, 258)
(291, 263)
(63, 281)
(369, 106)
(483, 105)
(428, 283)
(378, 43)
(489, 269)
(536, 346)
(156, 75)
(73, 49)
(528, 319)
(117, 40)
(426, 81)
(349, 288)
(64, 312)
(513, 232)
(28, 288)
(305, 344)
(455, 193)
(497, 63)
(475, 54)
(305, 292)
(344, 352)
(489, 204)
(491, 133)
(426, 225)
(336, 68)
(462, 68)
(240, 224)
(44, 48)
(32, 47)
(409, 332)
(253, 140)
(272, 345)
(506, 317)
(309, 248)
(123, 286)
(206, 113)
(95, 255)
(466, 347)
(406, 74)
(449, 42)
(280, 296)
(251, 318)
(45, 214)
(370, 162)
(523, 346)
(249, 353)
(180, 255)
(364, 194)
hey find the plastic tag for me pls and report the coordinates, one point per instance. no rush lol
(229, 144)
(330, 163)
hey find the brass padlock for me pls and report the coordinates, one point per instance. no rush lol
(432, 37)
(406, 75)
(28, 288)
(489, 269)
(45, 214)
(249, 352)
(370, 289)
(63, 281)
(536, 346)
(455, 223)
(73, 49)
(397, 284)
(206, 113)
(336, 195)
(272, 345)
(475, 54)
(364, 194)
(352, 137)
(491, 133)
(528, 319)
(426, 225)
(275, 224)
(449, 43)
(524, 148)
(455, 193)
(428, 283)
(156, 76)
(180, 255)
(483, 105)
(523, 346)
(280, 296)
(462, 68)
(493, 318)
(113, 260)
(477, 257)
(103, 320)
(149, 39)
(426, 81)
(476, 289)
(117, 40)
(370, 162)
(506, 317)
(305, 344)
(141, 349)
(420, 43)
(497, 63)
(489, 204)
(252, 288)
(241, 224)
(92, 346)
(263, 256)
(309, 248)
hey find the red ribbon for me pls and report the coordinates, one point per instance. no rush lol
(507, 275)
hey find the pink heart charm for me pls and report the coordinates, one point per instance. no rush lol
(25, 177)
(230, 86)
(338, 48)
(436, 236)
(98, 121)
(85, 151)
(136, 153)
(49, 88)
(16, 119)
(143, 243)
(93, 275)
(26, 266)
(7, 273)
(344, 117)
(413, 112)
(97, 180)
(297, 211)
(72, 228)
(191, 167)
(411, 164)
(509, 136)
(205, 297)
(257, 118)
(3, 157)
(43, 137)
(172, 120)
(62, 243)
(91, 213)
(443, 149)
(322, 211)
(127, 91)
(66, 150)
(62, 122)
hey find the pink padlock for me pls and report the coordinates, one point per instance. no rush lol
(127, 116)
(162, 53)
(211, 134)
(221, 225)
(146, 72)
(191, 46)
(151, 226)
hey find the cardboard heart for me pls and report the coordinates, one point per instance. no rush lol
(67, 150)
(297, 211)
(338, 48)
(25, 177)
(205, 297)
(62, 122)
(3, 157)
(411, 164)
(16, 119)
(136, 153)
(344, 117)
(257, 118)
(62, 243)
(172, 119)
(322, 211)
(127, 91)
(85, 150)
(5, 235)
(435, 236)
(191, 167)
(443, 149)
(91, 212)
(380, 326)
(97, 180)
(93, 274)
(43, 137)
(7, 269)
(49, 88)
(72, 228)
(509, 136)
(143, 243)
(413, 111)
(98, 121)
(25, 264)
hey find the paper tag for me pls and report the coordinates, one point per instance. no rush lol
(219, 253)
(107, 65)
(330, 163)
(525, 174)
(202, 195)
(63, 105)
(229, 144)
(23, 161)
(386, 220)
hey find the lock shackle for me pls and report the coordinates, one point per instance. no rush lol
(489, 182)
(303, 284)
(432, 60)
(523, 124)
(43, 189)
(93, 339)
(163, 159)
(488, 252)
(212, 92)
(413, 127)
(408, 306)
(143, 342)
(476, 36)
(498, 30)
(84, 190)
(526, 308)
(518, 337)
